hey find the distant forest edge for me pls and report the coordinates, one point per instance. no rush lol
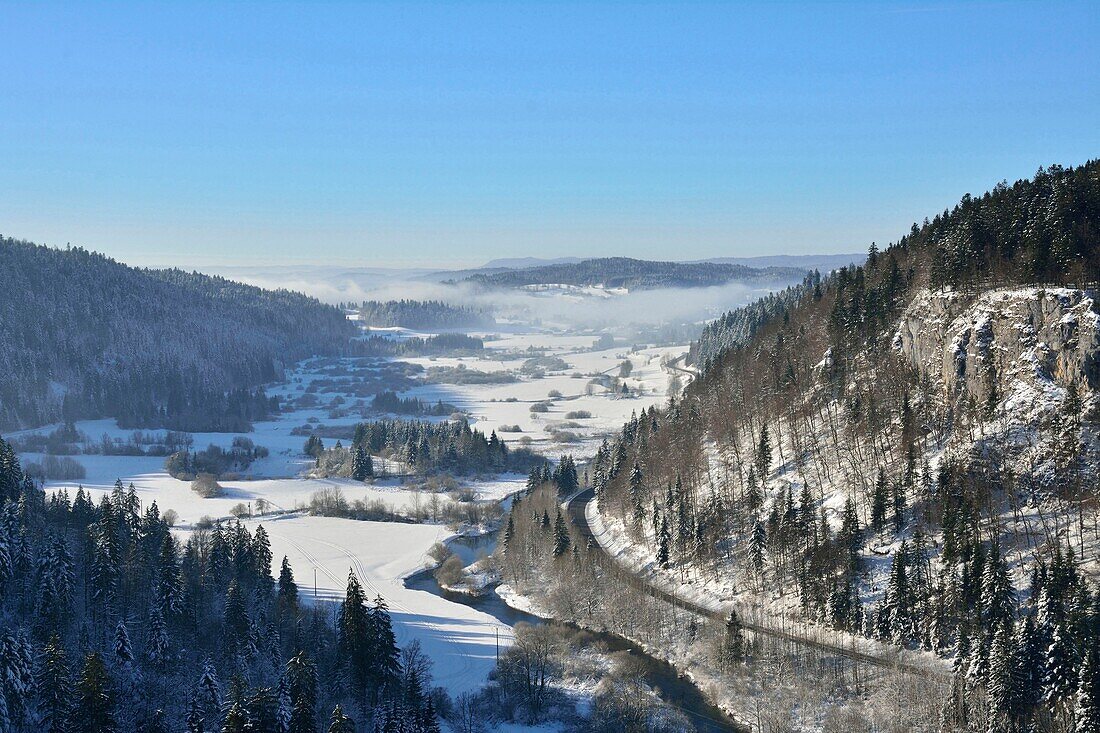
(624, 272)
(421, 315)
(84, 336)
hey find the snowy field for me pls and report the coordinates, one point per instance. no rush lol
(461, 641)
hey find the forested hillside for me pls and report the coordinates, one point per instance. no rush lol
(421, 315)
(82, 335)
(624, 272)
(907, 450)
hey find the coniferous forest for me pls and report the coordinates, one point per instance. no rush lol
(84, 336)
(112, 624)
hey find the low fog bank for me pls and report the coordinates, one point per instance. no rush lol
(566, 308)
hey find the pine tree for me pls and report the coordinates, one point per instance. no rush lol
(1001, 683)
(55, 586)
(236, 624)
(851, 538)
(998, 600)
(764, 454)
(387, 657)
(93, 711)
(287, 602)
(430, 719)
(561, 536)
(878, 503)
(509, 533)
(1087, 702)
(899, 502)
(156, 723)
(194, 721)
(362, 466)
(236, 719)
(1060, 682)
(261, 560)
(340, 723)
(263, 711)
(758, 546)
(53, 688)
(167, 578)
(753, 496)
(353, 627)
(124, 653)
(209, 694)
(663, 541)
(16, 678)
(158, 646)
(302, 679)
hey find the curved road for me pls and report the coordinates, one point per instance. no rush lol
(576, 509)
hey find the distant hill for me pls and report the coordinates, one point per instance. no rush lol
(82, 335)
(624, 272)
(822, 263)
(516, 263)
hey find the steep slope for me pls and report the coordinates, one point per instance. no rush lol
(84, 336)
(906, 450)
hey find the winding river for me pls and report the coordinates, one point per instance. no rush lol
(676, 690)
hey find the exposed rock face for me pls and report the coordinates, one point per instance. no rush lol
(1019, 349)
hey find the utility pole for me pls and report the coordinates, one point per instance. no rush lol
(314, 583)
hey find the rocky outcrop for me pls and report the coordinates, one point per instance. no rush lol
(1018, 348)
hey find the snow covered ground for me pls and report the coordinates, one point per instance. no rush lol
(461, 641)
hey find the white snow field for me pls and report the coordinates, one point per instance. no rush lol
(461, 641)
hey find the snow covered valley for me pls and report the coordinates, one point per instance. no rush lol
(549, 393)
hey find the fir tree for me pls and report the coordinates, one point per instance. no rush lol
(53, 688)
(354, 629)
(362, 467)
(1087, 702)
(157, 644)
(663, 541)
(386, 654)
(209, 694)
(758, 546)
(287, 603)
(561, 536)
(340, 723)
(302, 680)
(764, 454)
(94, 708)
(878, 503)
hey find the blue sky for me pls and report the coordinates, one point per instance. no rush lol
(450, 133)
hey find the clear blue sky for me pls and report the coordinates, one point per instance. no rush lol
(450, 133)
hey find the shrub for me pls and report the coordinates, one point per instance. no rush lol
(578, 415)
(206, 486)
(539, 407)
(53, 468)
(450, 572)
(328, 502)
